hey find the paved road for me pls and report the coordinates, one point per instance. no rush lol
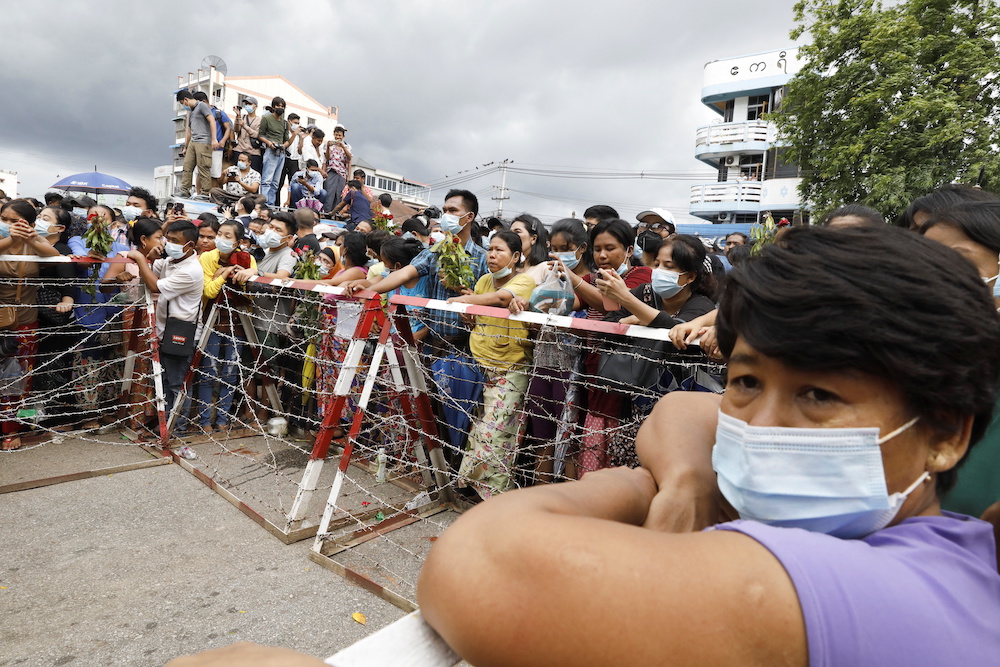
(139, 567)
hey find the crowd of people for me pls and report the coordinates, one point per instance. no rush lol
(504, 388)
(815, 513)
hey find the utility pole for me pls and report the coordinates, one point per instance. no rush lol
(503, 187)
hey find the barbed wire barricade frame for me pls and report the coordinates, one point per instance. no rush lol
(97, 383)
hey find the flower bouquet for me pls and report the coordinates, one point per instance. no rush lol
(454, 264)
(98, 241)
(382, 220)
(306, 319)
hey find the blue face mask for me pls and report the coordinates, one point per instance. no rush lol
(637, 252)
(451, 223)
(826, 480)
(664, 283)
(569, 259)
(407, 235)
(4, 230)
(623, 269)
(249, 108)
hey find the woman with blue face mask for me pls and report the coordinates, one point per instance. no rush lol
(848, 408)
(681, 289)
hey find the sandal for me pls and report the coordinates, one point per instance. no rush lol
(10, 443)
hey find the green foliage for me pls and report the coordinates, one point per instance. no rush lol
(893, 102)
(454, 264)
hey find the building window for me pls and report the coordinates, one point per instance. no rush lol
(369, 180)
(387, 185)
(310, 121)
(727, 115)
(751, 167)
(757, 107)
(778, 166)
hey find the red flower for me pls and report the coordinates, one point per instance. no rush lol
(783, 222)
(456, 240)
(92, 216)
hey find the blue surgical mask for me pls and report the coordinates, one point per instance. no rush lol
(450, 223)
(174, 250)
(623, 269)
(637, 252)
(242, 165)
(269, 239)
(249, 108)
(826, 480)
(224, 246)
(41, 227)
(80, 212)
(4, 230)
(569, 259)
(664, 283)
(504, 272)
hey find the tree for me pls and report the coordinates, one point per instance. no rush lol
(892, 102)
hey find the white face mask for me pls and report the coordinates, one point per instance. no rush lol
(827, 480)
(504, 272)
(269, 239)
(254, 215)
(224, 246)
(174, 250)
(437, 237)
(130, 213)
(242, 165)
(451, 223)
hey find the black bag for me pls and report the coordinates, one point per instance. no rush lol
(178, 336)
(46, 298)
(632, 365)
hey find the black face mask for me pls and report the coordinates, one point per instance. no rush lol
(278, 111)
(646, 239)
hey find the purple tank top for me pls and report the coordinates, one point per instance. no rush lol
(924, 592)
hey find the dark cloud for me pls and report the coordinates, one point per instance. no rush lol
(426, 87)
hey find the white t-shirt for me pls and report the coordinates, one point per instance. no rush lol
(309, 152)
(180, 285)
(293, 148)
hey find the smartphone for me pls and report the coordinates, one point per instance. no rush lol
(178, 208)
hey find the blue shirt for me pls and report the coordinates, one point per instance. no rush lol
(447, 323)
(91, 311)
(220, 118)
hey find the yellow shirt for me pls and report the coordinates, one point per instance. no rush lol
(497, 343)
(210, 264)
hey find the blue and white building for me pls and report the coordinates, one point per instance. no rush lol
(752, 174)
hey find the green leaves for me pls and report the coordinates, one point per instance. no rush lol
(892, 102)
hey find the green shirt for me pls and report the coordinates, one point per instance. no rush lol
(978, 484)
(273, 129)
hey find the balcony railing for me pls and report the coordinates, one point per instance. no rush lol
(731, 193)
(732, 133)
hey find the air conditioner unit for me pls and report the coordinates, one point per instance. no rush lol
(732, 160)
(724, 217)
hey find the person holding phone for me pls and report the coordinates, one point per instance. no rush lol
(241, 180)
(337, 156)
(307, 182)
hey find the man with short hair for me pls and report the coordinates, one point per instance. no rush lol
(179, 280)
(448, 339)
(142, 199)
(223, 130)
(244, 207)
(356, 202)
(310, 143)
(276, 136)
(305, 237)
(200, 140)
(53, 199)
(247, 131)
(733, 240)
(596, 213)
(306, 182)
(337, 160)
(359, 175)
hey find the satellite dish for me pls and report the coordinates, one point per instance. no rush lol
(216, 62)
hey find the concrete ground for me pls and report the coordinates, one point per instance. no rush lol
(139, 567)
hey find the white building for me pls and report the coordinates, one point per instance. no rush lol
(227, 92)
(752, 177)
(8, 183)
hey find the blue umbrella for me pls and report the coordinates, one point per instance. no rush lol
(93, 182)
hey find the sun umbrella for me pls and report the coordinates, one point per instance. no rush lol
(93, 182)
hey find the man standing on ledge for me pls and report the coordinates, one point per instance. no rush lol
(338, 158)
(199, 141)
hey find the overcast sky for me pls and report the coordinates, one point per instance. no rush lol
(427, 88)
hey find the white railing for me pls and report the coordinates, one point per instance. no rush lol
(417, 192)
(728, 192)
(732, 133)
